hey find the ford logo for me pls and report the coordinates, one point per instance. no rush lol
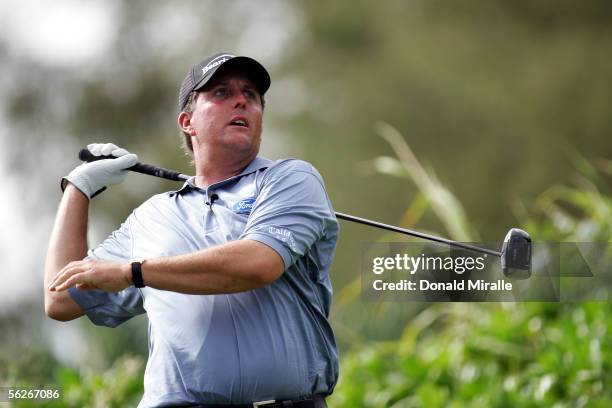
(244, 206)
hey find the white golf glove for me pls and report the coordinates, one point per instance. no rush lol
(93, 178)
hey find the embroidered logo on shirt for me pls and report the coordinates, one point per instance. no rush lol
(244, 206)
(283, 234)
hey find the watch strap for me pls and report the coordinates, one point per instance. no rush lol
(137, 273)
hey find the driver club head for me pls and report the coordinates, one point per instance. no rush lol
(516, 254)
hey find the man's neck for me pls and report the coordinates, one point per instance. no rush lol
(211, 170)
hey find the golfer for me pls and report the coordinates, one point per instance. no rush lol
(232, 269)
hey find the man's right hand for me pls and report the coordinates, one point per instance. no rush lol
(93, 178)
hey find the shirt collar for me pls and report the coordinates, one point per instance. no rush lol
(258, 163)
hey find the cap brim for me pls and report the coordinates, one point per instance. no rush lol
(251, 68)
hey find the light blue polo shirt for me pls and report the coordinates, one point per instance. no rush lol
(267, 343)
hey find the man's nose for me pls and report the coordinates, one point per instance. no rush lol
(240, 100)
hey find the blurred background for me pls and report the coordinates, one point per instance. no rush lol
(461, 119)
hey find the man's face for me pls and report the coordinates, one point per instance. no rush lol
(228, 114)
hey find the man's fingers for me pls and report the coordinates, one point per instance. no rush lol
(95, 148)
(126, 161)
(77, 278)
(119, 152)
(57, 278)
(107, 149)
(68, 271)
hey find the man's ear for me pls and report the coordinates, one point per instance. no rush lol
(184, 122)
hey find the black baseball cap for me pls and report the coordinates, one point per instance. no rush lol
(204, 70)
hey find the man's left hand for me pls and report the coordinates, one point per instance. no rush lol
(93, 274)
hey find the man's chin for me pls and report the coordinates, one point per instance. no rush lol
(243, 147)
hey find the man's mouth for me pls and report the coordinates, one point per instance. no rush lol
(239, 121)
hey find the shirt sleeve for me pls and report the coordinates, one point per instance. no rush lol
(292, 210)
(105, 308)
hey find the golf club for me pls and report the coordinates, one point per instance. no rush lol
(515, 253)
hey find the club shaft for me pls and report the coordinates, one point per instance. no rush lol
(417, 234)
(157, 171)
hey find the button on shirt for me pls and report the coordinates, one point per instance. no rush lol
(266, 343)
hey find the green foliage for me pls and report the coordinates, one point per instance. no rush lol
(494, 355)
(574, 214)
(443, 203)
(456, 355)
(119, 386)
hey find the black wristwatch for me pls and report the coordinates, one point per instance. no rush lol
(137, 272)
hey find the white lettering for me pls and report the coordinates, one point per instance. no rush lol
(482, 285)
(404, 284)
(412, 264)
(216, 62)
(377, 265)
(424, 284)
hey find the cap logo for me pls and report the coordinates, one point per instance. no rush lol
(216, 62)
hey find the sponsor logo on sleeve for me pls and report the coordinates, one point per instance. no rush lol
(284, 235)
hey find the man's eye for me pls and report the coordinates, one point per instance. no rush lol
(221, 92)
(250, 94)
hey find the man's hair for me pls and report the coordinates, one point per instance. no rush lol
(189, 108)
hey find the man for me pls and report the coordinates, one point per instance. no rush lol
(232, 269)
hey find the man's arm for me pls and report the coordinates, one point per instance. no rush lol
(236, 266)
(68, 243)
